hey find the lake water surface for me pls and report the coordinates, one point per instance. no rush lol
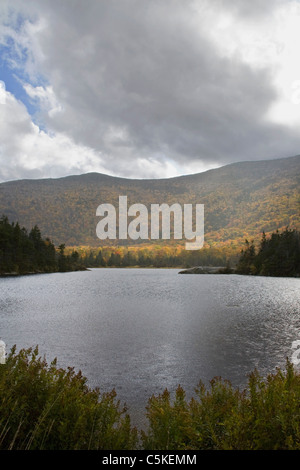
(142, 330)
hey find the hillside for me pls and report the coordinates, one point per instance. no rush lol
(241, 200)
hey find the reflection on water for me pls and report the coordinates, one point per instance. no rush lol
(141, 330)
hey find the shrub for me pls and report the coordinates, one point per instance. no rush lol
(264, 416)
(46, 407)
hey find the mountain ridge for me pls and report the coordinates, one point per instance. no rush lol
(241, 199)
(205, 172)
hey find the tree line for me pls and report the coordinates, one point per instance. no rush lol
(157, 256)
(23, 252)
(278, 255)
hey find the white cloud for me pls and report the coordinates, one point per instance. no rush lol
(30, 152)
(46, 98)
(2, 92)
(27, 151)
(269, 43)
(151, 89)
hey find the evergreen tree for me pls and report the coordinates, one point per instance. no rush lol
(278, 255)
(246, 264)
(22, 252)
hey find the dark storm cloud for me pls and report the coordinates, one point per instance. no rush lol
(248, 10)
(255, 8)
(141, 80)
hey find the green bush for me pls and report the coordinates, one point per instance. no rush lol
(46, 407)
(265, 416)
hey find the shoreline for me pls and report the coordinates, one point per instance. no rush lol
(32, 273)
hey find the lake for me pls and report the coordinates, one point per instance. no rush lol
(142, 330)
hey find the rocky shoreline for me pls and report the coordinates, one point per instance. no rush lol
(208, 270)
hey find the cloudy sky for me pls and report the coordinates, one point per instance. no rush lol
(143, 89)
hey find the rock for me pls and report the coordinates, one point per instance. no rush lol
(206, 270)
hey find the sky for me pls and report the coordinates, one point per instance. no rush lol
(146, 89)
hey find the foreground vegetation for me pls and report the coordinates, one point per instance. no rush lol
(45, 407)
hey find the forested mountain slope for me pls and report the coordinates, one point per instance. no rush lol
(241, 200)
